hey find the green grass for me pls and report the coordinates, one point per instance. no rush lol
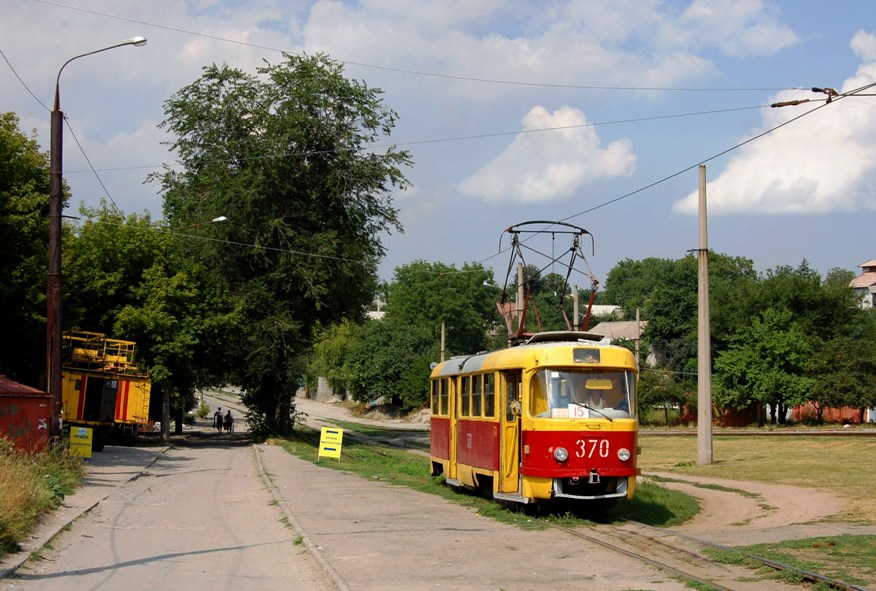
(834, 463)
(652, 504)
(846, 558)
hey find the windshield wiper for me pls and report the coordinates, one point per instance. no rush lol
(588, 407)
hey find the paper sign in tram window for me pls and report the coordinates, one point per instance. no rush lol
(330, 442)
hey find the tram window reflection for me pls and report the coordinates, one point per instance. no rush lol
(607, 394)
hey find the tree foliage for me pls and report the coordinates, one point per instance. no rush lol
(391, 357)
(288, 156)
(24, 190)
(429, 294)
(104, 263)
(766, 362)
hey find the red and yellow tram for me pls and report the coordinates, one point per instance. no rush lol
(552, 418)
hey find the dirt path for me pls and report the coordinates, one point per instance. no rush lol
(739, 513)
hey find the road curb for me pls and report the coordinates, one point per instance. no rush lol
(335, 577)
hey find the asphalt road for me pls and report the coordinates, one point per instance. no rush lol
(218, 513)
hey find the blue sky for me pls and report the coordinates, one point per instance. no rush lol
(512, 111)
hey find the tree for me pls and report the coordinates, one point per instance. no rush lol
(658, 388)
(843, 366)
(427, 294)
(288, 156)
(104, 262)
(392, 361)
(766, 362)
(24, 198)
(331, 355)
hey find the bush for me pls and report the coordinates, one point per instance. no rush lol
(32, 484)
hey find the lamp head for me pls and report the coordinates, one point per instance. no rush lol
(137, 41)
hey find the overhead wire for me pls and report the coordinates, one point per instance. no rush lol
(834, 99)
(456, 138)
(472, 79)
(417, 72)
(69, 127)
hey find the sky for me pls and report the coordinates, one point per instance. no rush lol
(590, 112)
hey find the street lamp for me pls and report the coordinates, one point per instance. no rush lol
(215, 220)
(54, 298)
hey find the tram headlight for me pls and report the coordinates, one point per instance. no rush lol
(561, 454)
(623, 454)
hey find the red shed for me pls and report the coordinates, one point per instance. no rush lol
(25, 414)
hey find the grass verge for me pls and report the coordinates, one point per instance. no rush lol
(32, 485)
(653, 504)
(846, 558)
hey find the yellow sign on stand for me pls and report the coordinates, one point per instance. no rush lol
(80, 441)
(330, 443)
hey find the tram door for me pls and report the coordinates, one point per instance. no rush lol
(453, 412)
(509, 448)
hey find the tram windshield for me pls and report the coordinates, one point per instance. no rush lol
(578, 393)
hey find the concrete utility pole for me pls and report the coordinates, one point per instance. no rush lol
(54, 295)
(638, 339)
(704, 356)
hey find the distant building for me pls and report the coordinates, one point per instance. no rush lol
(865, 284)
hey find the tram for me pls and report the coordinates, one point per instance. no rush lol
(550, 417)
(553, 418)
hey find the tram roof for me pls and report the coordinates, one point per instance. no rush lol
(521, 355)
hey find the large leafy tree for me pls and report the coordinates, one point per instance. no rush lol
(429, 294)
(104, 263)
(843, 366)
(392, 361)
(24, 189)
(766, 362)
(289, 156)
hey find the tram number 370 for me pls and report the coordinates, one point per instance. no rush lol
(587, 448)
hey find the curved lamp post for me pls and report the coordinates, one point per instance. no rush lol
(54, 298)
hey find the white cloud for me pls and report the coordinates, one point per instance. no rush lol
(824, 162)
(739, 28)
(542, 166)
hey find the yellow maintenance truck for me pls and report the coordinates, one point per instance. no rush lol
(103, 387)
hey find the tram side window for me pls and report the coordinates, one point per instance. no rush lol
(465, 393)
(476, 396)
(439, 397)
(443, 396)
(490, 395)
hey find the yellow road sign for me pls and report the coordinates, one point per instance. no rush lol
(330, 442)
(80, 441)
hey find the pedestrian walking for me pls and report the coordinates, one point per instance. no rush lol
(229, 422)
(217, 419)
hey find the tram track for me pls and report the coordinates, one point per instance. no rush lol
(674, 553)
(686, 557)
